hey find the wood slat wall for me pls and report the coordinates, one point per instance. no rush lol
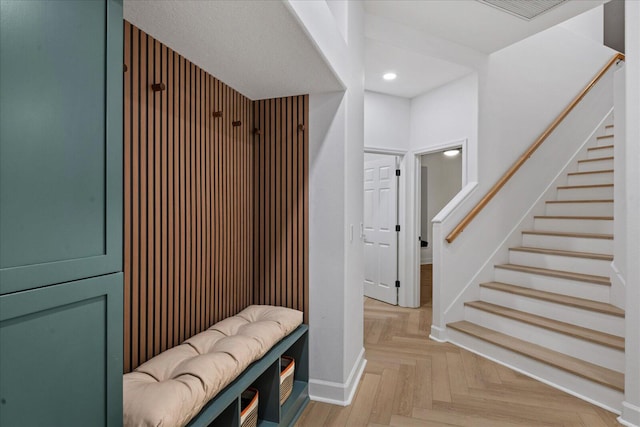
(281, 200)
(192, 201)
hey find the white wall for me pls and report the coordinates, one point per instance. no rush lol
(589, 24)
(386, 121)
(631, 405)
(522, 90)
(336, 265)
(446, 114)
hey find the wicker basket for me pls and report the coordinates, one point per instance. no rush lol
(249, 408)
(287, 368)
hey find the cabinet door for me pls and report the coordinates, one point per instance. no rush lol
(60, 141)
(61, 354)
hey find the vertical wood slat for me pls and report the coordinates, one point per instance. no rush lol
(281, 224)
(216, 217)
(188, 228)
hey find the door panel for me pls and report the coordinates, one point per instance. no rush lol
(380, 236)
(60, 141)
(61, 354)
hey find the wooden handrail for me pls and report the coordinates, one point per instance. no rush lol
(523, 158)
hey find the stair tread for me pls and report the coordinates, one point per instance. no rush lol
(590, 371)
(604, 147)
(580, 332)
(597, 159)
(585, 304)
(575, 254)
(591, 172)
(568, 187)
(589, 278)
(604, 137)
(569, 234)
(581, 201)
(596, 218)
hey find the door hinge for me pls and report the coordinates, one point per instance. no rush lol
(397, 228)
(397, 283)
(397, 172)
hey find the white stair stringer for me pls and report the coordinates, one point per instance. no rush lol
(600, 395)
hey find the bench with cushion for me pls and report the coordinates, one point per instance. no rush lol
(171, 388)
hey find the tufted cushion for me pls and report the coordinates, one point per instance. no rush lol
(171, 388)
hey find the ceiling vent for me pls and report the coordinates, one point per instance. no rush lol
(525, 9)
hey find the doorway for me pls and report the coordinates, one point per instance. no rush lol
(440, 179)
(381, 227)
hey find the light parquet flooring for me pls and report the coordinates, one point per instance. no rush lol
(410, 380)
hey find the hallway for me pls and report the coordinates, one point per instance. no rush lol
(410, 380)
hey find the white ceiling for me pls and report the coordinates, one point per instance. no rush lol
(260, 49)
(256, 47)
(417, 73)
(471, 23)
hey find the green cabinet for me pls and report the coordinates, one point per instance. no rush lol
(61, 213)
(60, 141)
(61, 354)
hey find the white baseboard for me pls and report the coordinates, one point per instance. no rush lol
(338, 393)
(438, 334)
(630, 415)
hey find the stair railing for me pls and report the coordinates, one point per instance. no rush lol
(524, 157)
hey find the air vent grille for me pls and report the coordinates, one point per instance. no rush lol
(525, 9)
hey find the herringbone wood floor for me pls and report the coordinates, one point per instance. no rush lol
(410, 380)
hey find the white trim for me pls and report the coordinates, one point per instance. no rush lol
(338, 393)
(630, 415)
(438, 334)
(414, 257)
(388, 151)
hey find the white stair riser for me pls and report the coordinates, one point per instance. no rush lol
(578, 244)
(578, 386)
(605, 141)
(577, 209)
(586, 318)
(574, 288)
(596, 267)
(602, 152)
(562, 343)
(586, 193)
(595, 166)
(597, 226)
(591, 179)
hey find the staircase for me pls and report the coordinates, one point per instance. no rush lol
(547, 312)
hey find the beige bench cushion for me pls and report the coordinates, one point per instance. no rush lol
(171, 388)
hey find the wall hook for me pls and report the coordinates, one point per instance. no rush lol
(158, 87)
(217, 113)
(236, 123)
(257, 131)
(300, 127)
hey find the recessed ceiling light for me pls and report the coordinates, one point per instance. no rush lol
(390, 76)
(452, 153)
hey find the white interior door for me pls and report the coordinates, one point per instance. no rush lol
(380, 236)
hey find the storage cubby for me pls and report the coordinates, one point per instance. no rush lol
(264, 375)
